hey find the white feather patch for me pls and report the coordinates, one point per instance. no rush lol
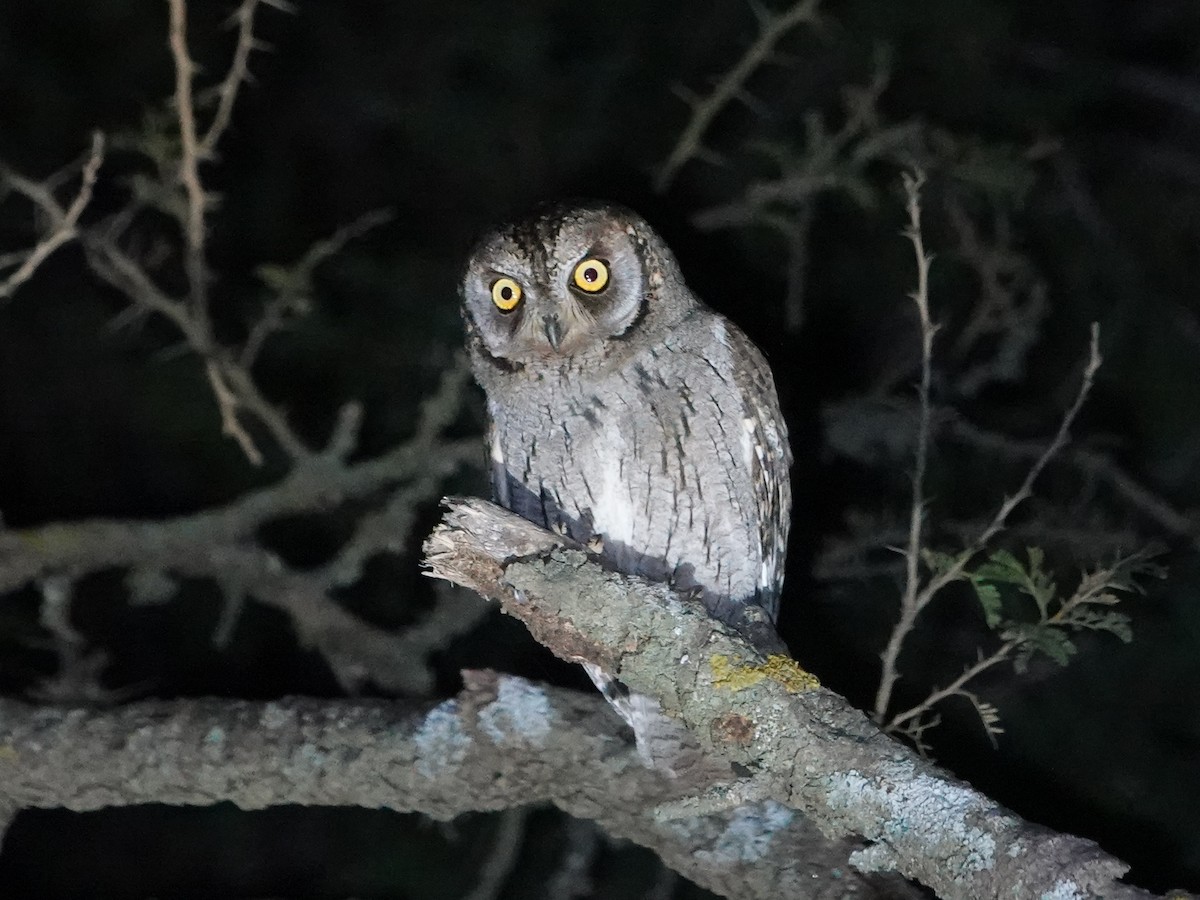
(497, 451)
(613, 512)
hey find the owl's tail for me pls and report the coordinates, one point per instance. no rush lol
(662, 742)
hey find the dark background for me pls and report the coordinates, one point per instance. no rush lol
(1078, 121)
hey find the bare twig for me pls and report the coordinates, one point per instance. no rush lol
(63, 223)
(732, 85)
(1094, 464)
(954, 571)
(77, 678)
(237, 75)
(272, 417)
(1011, 305)
(123, 272)
(909, 607)
(227, 403)
(1060, 439)
(291, 284)
(953, 689)
(233, 384)
(496, 869)
(795, 229)
(829, 160)
(995, 264)
(189, 165)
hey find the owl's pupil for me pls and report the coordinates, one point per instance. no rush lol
(506, 293)
(590, 274)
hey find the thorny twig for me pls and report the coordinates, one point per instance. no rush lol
(63, 222)
(827, 160)
(189, 165)
(916, 596)
(920, 297)
(731, 86)
(232, 383)
(1093, 464)
(291, 285)
(238, 73)
(227, 404)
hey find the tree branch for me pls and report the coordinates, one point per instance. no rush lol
(910, 607)
(64, 223)
(503, 743)
(223, 545)
(237, 75)
(811, 750)
(189, 165)
(731, 85)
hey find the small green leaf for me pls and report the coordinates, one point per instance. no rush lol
(937, 562)
(1003, 567)
(280, 279)
(1047, 640)
(1114, 623)
(989, 601)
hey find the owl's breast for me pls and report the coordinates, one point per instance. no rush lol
(651, 459)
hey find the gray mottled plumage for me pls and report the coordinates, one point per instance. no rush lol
(633, 414)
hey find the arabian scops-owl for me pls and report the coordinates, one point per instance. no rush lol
(625, 410)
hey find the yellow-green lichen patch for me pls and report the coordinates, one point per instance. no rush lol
(783, 669)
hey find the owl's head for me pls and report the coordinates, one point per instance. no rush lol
(568, 282)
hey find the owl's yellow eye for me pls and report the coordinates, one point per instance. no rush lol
(506, 294)
(591, 275)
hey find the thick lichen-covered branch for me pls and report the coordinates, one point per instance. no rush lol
(809, 750)
(502, 743)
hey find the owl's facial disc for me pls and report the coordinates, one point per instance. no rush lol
(562, 284)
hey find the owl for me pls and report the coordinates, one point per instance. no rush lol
(626, 414)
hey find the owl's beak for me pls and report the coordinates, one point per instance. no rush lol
(554, 330)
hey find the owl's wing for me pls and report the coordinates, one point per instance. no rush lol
(770, 459)
(500, 480)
